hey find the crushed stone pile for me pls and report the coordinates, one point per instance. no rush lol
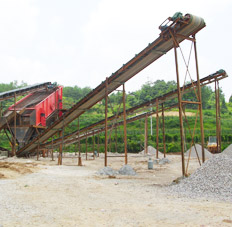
(212, 180)
(199, 151)
(127, 170)
(151, 151)
(163, 161)
(228, 150)
(107, 171)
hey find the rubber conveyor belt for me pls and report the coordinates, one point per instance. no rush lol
(183, 28)
(73, 137)
(22, 91)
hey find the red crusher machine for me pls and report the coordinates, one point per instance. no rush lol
(34, 113)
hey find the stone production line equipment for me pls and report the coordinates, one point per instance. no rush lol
(27, 118)
(173, 31)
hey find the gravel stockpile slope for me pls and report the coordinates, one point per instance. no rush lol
(228, 150)
(199, 151)
(107, 171)
(125, 170)
(151, 151)
(212, 180)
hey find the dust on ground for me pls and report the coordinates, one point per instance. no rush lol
(11, 169)
(71, 195)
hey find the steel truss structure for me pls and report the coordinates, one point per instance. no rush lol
(174, 30)
(160, 106)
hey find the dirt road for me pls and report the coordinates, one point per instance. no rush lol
(68, 195)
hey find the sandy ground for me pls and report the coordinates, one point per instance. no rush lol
(40, 193)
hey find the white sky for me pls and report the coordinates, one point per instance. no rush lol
(76, 42)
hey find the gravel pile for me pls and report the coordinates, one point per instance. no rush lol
(127, 170)
(199, 151)
(163, 161)
(151, 151)
(212, 180)
(228, 150)
(107, 171)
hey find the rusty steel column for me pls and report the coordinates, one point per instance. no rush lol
(86, 147)
(38, 152)
(79, 143)
(200, 100)
(124, 123)
(157, 128)
(180, 112)
(163, 126)
(216, 107)
(52, 150)
(0, 109)
(14, 149)
(106, 125)
(98, 144)
(145, 136)
(60, 150)
(219, 118)
(93, 145)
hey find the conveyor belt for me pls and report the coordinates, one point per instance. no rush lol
(39, 93)
(22, 91)
(72, 137)
(183, 28)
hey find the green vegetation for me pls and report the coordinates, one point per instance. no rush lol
(135, 130)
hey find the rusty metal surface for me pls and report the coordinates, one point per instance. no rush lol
(161, 99)
(21, 91)
(72, 137)
(186, 27)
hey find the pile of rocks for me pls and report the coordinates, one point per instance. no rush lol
(125, 170)
(151, 151)
(228, 150)
(107, 171)
(212, 180)
(199, 151)
(162, 161)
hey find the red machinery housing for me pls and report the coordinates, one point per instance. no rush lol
(39, 106)
(35, 112)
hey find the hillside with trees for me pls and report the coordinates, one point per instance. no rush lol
(135, 130)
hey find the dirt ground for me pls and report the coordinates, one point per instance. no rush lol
(40, 193)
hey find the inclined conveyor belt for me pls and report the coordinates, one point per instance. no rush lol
(182, 27)
(73, 137)
(22, 91)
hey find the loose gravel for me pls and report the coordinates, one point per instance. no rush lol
(151, 151)
(125, 170)
(212, 180)
(107, 171)
(228, 150)
(199, 151)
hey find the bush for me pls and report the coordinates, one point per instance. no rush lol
(168, 138)
(175, 138)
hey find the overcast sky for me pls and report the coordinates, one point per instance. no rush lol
(81, 42)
